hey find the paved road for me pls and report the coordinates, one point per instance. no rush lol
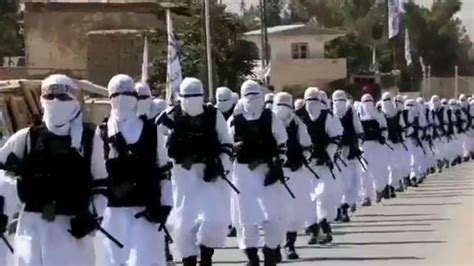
(429, 225)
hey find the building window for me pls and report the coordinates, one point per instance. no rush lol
(299, 50)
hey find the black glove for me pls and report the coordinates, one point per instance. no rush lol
(382, 140)
(83, 224)
(156, 214)
(3, 223)
(275, 172)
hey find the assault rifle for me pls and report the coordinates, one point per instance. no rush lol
(276, 173)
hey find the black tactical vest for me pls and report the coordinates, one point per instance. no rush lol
(349, 136)
(319, 136)
(294, 151)
(438, 115)
(193, 138)
(228, 113)
(133, 174)
(56, 174)
(371, 130)
(459, 122)
(405, 118)
(395, 131)
(254, 140)
(450, 130)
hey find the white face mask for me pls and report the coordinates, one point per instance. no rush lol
(59, 114)
(314, 109)
(124, 107)
(144, 107)
(253, 106)
(340, 107)
(388, 107)
(193, 106)
(224, 106)
(283, 113)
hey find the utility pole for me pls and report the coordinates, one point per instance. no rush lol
(264, 33)
(210, 82)
(456, 81)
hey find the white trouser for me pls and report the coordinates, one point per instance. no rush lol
(376, 155)
(201, 211)
(299, 210)
(38, 242)
(405, 158)
(137, 236)
(328, 194)
(350, 178)
(258, 205)
(396, 163)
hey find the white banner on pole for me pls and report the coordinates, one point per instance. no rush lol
(408, 48)
(145, 61)
(173, 66)
(393, 18)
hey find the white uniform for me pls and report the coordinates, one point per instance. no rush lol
(377, 176)
(350, 175)
(201, 214)
(119, 220)
(37, 241)
(12, 205)
(258, 205)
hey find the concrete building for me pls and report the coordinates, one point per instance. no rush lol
(88, 39)
(297, 56)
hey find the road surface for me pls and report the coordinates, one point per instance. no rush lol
(429, 225)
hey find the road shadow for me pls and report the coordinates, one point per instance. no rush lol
(381, 232)
(441, 190)
(400, 220)
(421, 204)
(316, 259)
(379, 225)
(395, 215)
(421, 196)
(388, 243)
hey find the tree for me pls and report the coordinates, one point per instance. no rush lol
(11, 42)
(233, 57)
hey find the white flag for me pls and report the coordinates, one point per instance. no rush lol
(407, 48)
(145, 61)
(393, 18)
(173, 72)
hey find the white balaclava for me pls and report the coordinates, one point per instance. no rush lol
(62, 111)
(157, 107)
(312, 102)
(368, 106)
(123, 97)
(471, 109)
(463, 101)
(388, 105)
(453, 105)
(269, 100)
(299, 104)
(420, 105)
(339, 102)
(191, 93)
(224, 98)
(323, 97)
(283, 107)
(444, 102)
(435, 102)
(410, 105)
(399, 102)
(252, 99)
(144, 99)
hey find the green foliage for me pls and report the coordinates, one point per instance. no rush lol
(11, 43)
(232, 56)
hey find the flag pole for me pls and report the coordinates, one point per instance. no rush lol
(208, 50)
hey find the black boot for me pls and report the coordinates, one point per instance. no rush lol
(314, 231)
(190, 261)
(278, 256)
(407, 181)
(232, 231)
(290, 246)
(414, 183)
(169, 257)
(206, 256)
(379, 196)
(326, 228)
(401, 187)
(345, 213)
(392, 192)
(339, 215)
(269, 256)
(252, 255)
(386, 192)
(353, 207)
(367, 202)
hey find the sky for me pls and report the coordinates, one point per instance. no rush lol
(466, 14)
